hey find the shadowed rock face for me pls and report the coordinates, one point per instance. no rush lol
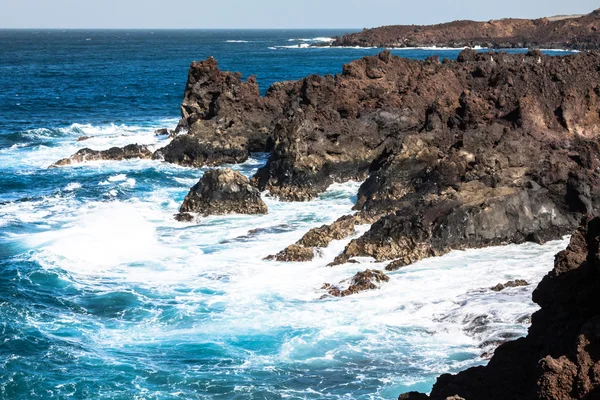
(559, 358)
(506, 161)
(580, 32)
(130, 151)
(221, 192)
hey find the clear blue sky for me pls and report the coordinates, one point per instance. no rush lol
(204, 14)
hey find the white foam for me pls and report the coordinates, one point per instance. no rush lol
(237, 41)
(72, 186)
(32, 156)
(421, 320)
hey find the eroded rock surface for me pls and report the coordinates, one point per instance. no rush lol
(221, 192)
(303, 249)
(559, 358)
(362, 281)
(577, 32)
(128, 152)
(500, 158)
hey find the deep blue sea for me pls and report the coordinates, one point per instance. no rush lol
(103, 295)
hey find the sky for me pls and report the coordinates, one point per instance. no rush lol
(269, 14)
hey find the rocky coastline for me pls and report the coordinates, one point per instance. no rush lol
(489, 149)
(558, 359)
(566, 32)
(486, 150)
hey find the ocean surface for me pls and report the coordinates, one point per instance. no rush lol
(103, 295)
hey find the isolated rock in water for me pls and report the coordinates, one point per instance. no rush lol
(366, 280)
(130, 151)
(222, 191)
(577, 32)
(293, 253)
(516, 283)
(190, 151)
(559, 358)
(83, 138)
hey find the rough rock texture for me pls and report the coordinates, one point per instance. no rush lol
(578, 32)
(560, 358)
(116, 153)
(222, 192)
(366, 280)
(506, 152)
(516, 283)
(225, 117)
(190, 151)
(293, 253)
(303, 249)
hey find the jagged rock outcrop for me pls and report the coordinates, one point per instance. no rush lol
(225, 117)
(221, 192)
(505, 155)
(580, 32)
(362, 281)
(128, 152)
(190, 151)
(303, 250)
(559, 358)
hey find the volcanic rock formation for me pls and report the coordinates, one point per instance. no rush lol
(559, 359)
(221, 192)
(576, 32)
(116, 153)
(362, 281)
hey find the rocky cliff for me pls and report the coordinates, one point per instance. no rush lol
(559, 359)
(485, 150)
(580, 32)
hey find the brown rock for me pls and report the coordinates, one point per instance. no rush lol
(360, 282)
(576, 32)
(293, 253)
(516, 283)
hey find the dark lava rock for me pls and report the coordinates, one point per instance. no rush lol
(577, 32)
(559, 358)
(360, 282)
(190, 151)
(130, 151)
(83, 138)
(222, 192)
(516, 283)
(446, 147)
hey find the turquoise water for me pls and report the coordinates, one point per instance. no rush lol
(103, 295)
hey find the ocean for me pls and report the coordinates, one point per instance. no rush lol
(103, 295)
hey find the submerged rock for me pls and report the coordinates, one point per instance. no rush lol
(221, 191)
(558, 359)
(366, 280)
(130, 151)
(516, 283)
